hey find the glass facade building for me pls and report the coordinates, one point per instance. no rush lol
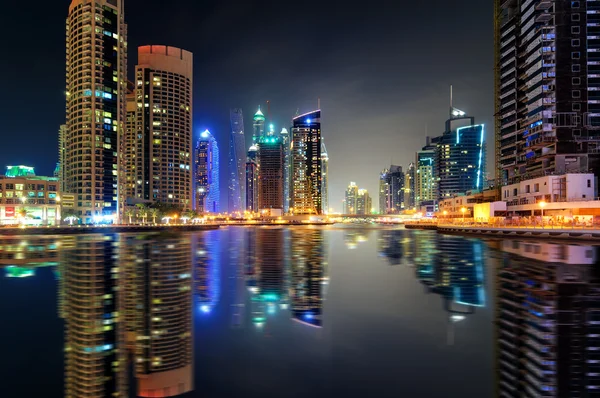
(207, 174)
(237, 162)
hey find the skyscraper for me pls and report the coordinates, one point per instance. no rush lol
(157, 144)
(237, 162)
(547, 90)
(258, 125)
(62, 152)
(363, 202)
(324, 178)
(350, 199)
(270, 174)
(384, 191)
(252, 179)
(95, 108)
(306, 174)
(285, 140)
(207, 174)
(460, 157)
(409, 186)
(425, 177)
(395, 197)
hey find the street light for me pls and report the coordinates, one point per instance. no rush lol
(542, 205)
(463, 210)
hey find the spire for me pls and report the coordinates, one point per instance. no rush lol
(259, 115)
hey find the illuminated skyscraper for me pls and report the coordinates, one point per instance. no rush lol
(363, 202)
(237, 162)
(285, 140)
(350, 199)
(409, 186)
(252, 168)
(158, 312)
(384, 191)
(157, 145)
(270, 173)
(95, 111)
(324, 178)
(460, 157)
(207, 174)
(306, 173)
(95, 361)
(258, 125)
(62, 152)
(391, 190)
(425, 177)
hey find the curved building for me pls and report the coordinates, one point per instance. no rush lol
(96, 71)
(157, 146)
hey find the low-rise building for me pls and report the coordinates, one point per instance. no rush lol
(28, 199)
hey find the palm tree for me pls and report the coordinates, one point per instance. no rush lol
(70, 215)
(129, 213)
(142, 211)
(189, 215)
(154, 213)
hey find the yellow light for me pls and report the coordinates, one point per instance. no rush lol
(542, 204)
(445, 213)
(463, 210)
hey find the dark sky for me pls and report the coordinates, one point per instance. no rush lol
(381, 68)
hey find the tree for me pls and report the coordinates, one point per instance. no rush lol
(129, 213)
(142, 211)
(189, 215)
(154, 213)
(70, 215)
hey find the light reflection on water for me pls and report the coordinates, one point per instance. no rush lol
(284, 312)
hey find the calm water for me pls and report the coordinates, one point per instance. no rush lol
(295, 312)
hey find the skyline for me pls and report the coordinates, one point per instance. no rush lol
(398, 87)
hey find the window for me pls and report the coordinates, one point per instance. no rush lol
(576, 94)
(575, 55)
(576, 107)
(575, 42)
(536, 187)
(574, 4)
(515, 192)
(576, 68)
(51, 187)
(19, 187)
(589, 183)
(575, 17)
(575, 30)
(527, 189)
(576, 81)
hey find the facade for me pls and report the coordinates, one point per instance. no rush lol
(460, 157)
(306, 173)
(391, 191)
(207, 174)
(29, 199)
(252, 168)
(384, 191)
(547, 90)
(157, 144)
(62, 152)
(258, 126)
(270, 174)
(425, 177)
(324, 178)
(237, 162)
(96, 69)
(409, 186)
(287, 157)
(363, 202)
(350, 199)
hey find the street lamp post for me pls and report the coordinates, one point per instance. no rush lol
(542, 205)
(445, 214)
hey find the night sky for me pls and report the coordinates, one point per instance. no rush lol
(382, 70)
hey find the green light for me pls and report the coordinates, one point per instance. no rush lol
(19, 171)
(19, 272)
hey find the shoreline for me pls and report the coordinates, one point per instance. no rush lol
(76, 230)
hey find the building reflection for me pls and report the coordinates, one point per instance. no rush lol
(390, 245)
(353, 237)
(547, 320)
(127, 300)
(207, 273)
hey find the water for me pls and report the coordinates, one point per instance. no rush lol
(291, 312)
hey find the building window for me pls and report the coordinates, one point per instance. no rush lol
(515, 192)
(576, 81)
(575, 30)
(527, 189)
(589, 183)
(575, 17)
(576, 94)
(575, 42)
(536, 187)
(19, 187)
(575, 55)
(576, 132)
(574, 4)
(576, 68)
(576, 108)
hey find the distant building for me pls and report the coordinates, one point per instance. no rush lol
(324, 178)
(258, 126)
(157, 149)
(384, 191)
(237, 162)
(252, 167)
(409, 187)
(460, 156)
(207, 174)
(363, 202)
(270, 174)
(425, 177)
(287, 166)
(393, 195)
(350, 199)
(306, 180)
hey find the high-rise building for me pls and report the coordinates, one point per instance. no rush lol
(62, 152)
(285, 139)
(96, 70)
(270, 173)
(425, 177)
(409, 186)
(252, 167)
(324, 178)
(207, 191)
(157, 143)
(384, 191)
(306, 174)
(460, 157)
(237, 162)
(363, 202)
(350, 199)
(547, 89)
(394, 200)
(258, 126)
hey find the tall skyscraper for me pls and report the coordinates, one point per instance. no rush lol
(157, 144)
(460, 157)
(252, 167)
(350, 199)
(364, 203)
(306, 174)
(384, 191)
(270, 173)
(95, 111)
(287, 160)
(324, 178)
(237, 162)
(425, 177)
(207, 174)
(409, 186)
(547, 90)
(394, 190)
(258, 126)
(62, 153)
